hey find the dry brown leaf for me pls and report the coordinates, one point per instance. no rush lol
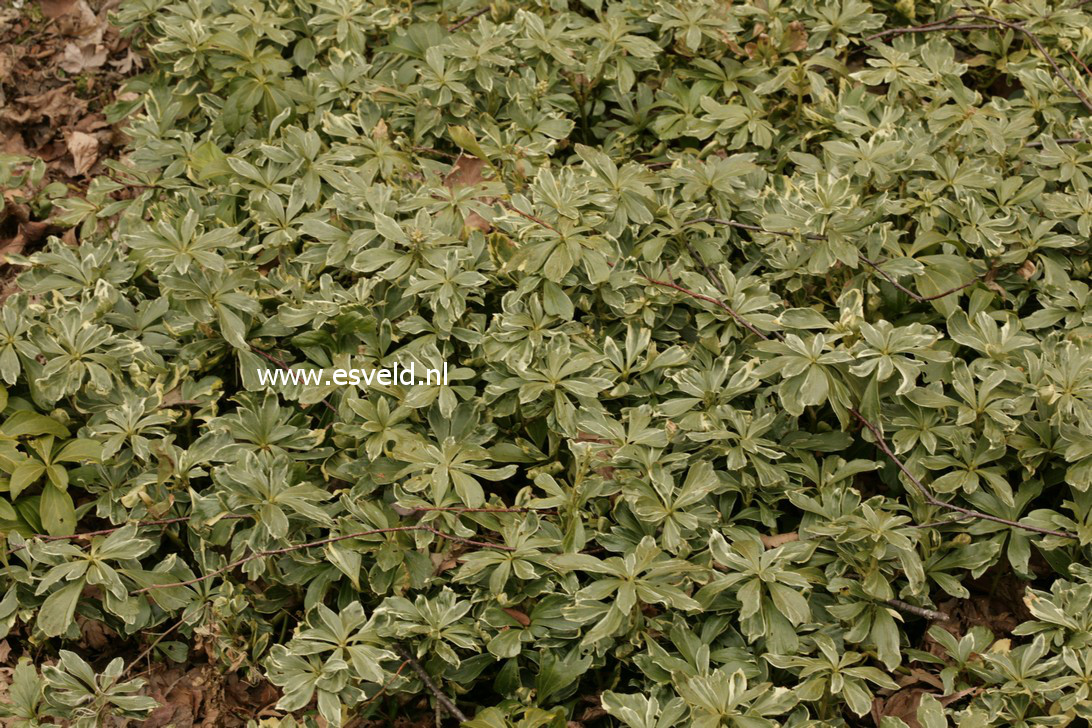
(128, 62)
(95, 634)
(1027, 270)
(80, 58)
(796, 37)
(518, 616)
(81, 22)
(7, 62)
(5, 650)
(54, 9)
(84, 149)
(779, 539)
(57, 105)
(27, 231)
(466, 172)
(949, 699)
(14, 144)
(903, 705)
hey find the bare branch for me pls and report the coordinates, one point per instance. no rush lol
(917, 297)
(384, 687)
(1063, 140)
(460, 509)
(933, 500)
(442, 699)
(1019, 27)
(537, 220)
(920, 611)
(464, 21)
(322, 542)
(814, 236)
(984, 24)
(709, 299)
(880, 442)
(713, 278)
(104, 531)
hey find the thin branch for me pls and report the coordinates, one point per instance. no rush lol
(1080, 61)
(459, 509)
(322, 542)
(709, 299)
(441, 698)
(920, 611)
(930, 27)
(537, 220)
(942, 522)
(464, 21)
(814, 236)
(933, 500)
(1063, 140)
(386, 685)
(1019, 27)
(947, 24)
(151, 647)
(104, 531)
(285, 367)
(713, 278)
(917, 297)
(754, 228)
(437, 152)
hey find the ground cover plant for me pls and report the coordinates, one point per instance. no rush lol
(767, 328)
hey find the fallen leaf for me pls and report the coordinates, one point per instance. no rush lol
(78, 59)
(84, 149)
(949, 699)
(14, 144)
(796, 37)
(26, 231)
(54, 9)
(55, 104)
(1027, 270)
(468, 172)
(81, 22)
(95, 634)
(902, 704)
(5, 650)
(518, 616)
(779, 539)
(128, 62)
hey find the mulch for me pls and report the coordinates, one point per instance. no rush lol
(62, 64)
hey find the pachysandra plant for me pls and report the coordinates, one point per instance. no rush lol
(767, 332)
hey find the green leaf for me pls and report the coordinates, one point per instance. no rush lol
(25, 475)
(58, 610)
(58, 512)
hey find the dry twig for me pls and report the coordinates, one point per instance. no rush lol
(868, 261)
(988, 22)
(920, 611)
(880, 442)
(441, 698)
(467, 19)
(105, 531)
(322, 542)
